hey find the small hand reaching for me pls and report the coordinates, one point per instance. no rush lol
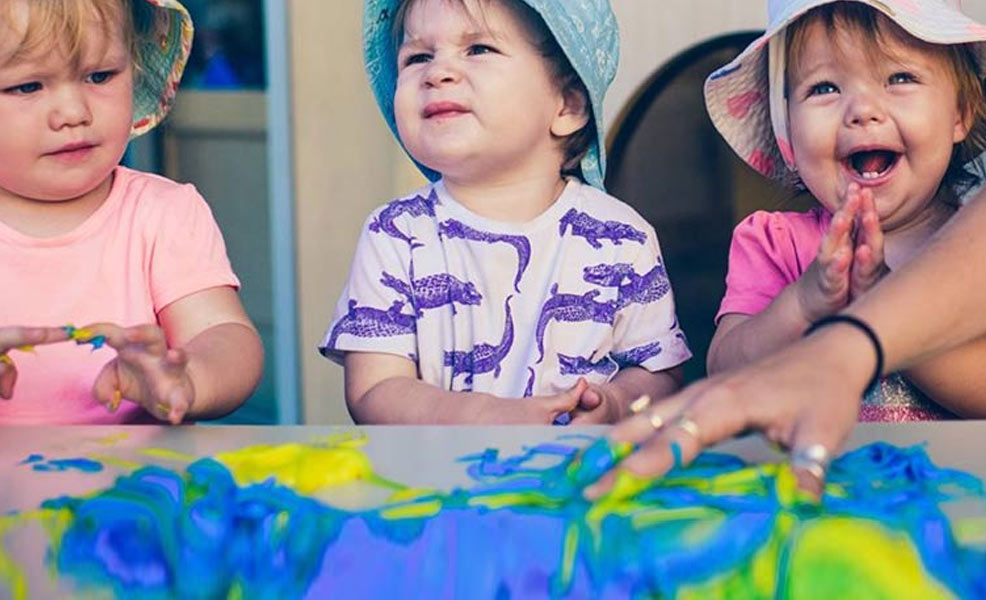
(868, 265)
(22, 338)
(824, 287)
(145, 371)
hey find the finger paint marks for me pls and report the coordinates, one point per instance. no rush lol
(38, 463)
(241, 525)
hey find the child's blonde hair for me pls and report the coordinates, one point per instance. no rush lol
(875, 28)
(66, 24)
(574, 146)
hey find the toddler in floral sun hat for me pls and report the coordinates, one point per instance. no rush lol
(511, 288)
(875, 108)
(85, 240)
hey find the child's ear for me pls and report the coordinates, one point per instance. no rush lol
(963, 123)
(574, 113)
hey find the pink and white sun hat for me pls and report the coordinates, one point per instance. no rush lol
(745, 98)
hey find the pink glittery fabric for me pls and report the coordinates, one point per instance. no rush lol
(898, 400)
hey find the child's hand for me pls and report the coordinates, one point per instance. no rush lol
(868, 265)
(13, 338)
(597, 405)
(545, 409)
(824, 287)
(144, 371)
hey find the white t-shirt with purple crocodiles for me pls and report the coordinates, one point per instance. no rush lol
(509, 309)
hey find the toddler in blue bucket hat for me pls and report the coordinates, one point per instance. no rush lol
(512, 288)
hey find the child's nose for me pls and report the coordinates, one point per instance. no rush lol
(441, 71)
(864, 109)
(70, 109)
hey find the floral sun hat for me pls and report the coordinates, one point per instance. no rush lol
(164, 41)
(586, 30)
(745, 98)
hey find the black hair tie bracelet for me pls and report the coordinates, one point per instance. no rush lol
(862, 326)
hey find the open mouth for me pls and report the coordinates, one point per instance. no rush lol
(872, 164)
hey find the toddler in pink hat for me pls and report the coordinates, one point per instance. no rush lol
(875, 108)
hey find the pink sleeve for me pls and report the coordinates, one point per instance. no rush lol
(769, 251)
(189, 254)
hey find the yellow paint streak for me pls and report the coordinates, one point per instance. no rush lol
(168, 454)
(413, 511)
(302, 467)
(841, 558)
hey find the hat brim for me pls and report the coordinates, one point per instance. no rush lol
(164, 45)
(737, 95)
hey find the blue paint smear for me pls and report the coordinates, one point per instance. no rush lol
(62, 464)
(158, 533)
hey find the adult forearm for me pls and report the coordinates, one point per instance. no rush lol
(955, 379)
(225, 363)
(937, 301)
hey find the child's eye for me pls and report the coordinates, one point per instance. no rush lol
(414, 59)
(902, 77)
(23, 89)
(100, 77)
(821, 89)
(477, 49)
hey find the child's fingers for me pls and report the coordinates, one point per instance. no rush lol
(8, 377)
(590, 399)
(15, 337)
(109, 333)
(149, 336)
(108, 388)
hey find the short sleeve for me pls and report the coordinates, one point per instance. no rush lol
(768, 252)
(645, 331)
(374, 312)
(188, 254)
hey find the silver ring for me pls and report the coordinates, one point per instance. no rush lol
(814, 459)
(689, 426)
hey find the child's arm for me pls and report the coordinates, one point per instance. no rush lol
(384, 388)
(822, 290)
(203, 360)
(610, 402)
(13, 338)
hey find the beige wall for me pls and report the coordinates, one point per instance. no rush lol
(347, 163)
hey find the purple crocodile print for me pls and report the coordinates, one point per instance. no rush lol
(418, 206)
(593, 230)
(572, 308)
(369, 322)
(529, 390)
(636, 356)
(455, 229)
(638, 289)
(434, 291)
(483, 358)
(580, 365)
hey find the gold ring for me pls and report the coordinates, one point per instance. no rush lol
(655, 420)
(689, 426)
(638, 405)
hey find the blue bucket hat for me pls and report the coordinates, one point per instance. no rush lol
(586, 31)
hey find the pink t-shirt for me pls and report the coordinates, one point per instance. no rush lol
(152, 242)
(770, 251)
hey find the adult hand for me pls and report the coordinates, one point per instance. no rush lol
(145, 371)
(805, 398)
(13, 338)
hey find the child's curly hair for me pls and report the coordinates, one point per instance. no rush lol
(563, 74)
(962, 60)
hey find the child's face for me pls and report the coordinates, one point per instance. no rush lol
(474, 99)
(64, 126)
(887, 124)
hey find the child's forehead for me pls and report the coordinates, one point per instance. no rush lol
(31, 37)
(462, 18)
